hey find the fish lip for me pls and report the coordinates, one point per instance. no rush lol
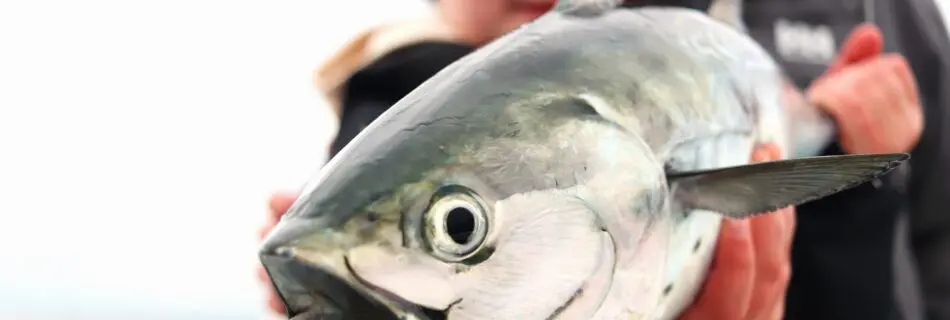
(317, 290)
(419, 312)
(309, 291)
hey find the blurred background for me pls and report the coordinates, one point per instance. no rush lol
(139, 141)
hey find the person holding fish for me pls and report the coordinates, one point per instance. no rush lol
(831, 261)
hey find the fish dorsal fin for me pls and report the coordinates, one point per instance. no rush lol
(586, 8)
(728, 12)
(743, 191)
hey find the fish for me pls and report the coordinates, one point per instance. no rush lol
(578, 167)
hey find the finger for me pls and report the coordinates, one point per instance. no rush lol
(766, 152)
(901, 117)
(908, 102)
(898, 65)
(892, 121)
(728, 287)
(863, 42)
(264, 230)
(772, 267)
(262, 276)
(915, 126)
(777, 303)
(790, 223)
(274, 304)
(887, 81)
(273, 301)
(772, 235)
(839, 97)
(778, 312)
(831, 92)
(771, 241)
(897, 105)
(279, 204)
(877, 95)
(772, 152)
(905, 127)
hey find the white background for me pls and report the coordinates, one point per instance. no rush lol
(139, 141)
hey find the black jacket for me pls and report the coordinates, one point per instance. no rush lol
(844, 248)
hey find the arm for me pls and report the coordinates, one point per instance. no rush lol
(923, 33)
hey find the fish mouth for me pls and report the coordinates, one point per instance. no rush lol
(330, 289)
(311, 292)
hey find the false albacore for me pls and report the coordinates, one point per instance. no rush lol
(576, 168)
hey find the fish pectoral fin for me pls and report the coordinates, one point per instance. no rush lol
(743, 191)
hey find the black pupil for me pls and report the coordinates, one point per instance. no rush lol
(460, 224)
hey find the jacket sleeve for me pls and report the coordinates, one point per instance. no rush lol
(371, 90)
(357, 113)
(926, 46)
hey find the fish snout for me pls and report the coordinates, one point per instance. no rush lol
(311, 278)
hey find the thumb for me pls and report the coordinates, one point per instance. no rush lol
(279, 203)
(728, 288)
(864, 42)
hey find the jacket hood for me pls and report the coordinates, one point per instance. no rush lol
(371, 44)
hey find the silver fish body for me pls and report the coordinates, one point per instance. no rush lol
(577, 168)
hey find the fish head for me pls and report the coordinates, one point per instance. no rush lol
(460, 217)
(495, 180)
(477, 189)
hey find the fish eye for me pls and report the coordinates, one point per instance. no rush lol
(456, 226)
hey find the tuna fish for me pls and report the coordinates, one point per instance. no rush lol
(576, 168)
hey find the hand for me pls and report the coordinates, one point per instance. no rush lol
(277, 206)
(750, 271)
(872, 96)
